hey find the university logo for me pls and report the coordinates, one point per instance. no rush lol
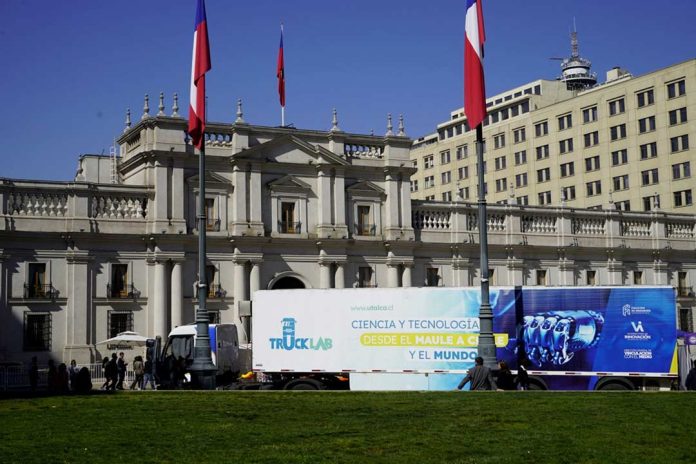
(290, 341)
(626, 310)
(637, 327)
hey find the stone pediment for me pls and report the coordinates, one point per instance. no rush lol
(211, 179)
(290, 149)
(289, 183)
(365, 188)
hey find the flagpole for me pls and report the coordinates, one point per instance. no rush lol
(282, 116)
(203, 371)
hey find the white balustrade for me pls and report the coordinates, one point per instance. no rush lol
(589, 226)
(117, 207)
(44, 204)
(362, 151)
(539, 224)
(680, 230)
(635, 228)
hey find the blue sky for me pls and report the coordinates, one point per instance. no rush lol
(73, 67)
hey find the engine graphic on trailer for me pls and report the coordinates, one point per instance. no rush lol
(554, 337)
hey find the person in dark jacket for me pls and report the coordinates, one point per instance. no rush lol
(479, 376)
(505, 379)
(111, 373)
(522, 374)
(121, 368)
(690, 382)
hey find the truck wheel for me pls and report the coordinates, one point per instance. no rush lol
(303, 384)
(614, 385)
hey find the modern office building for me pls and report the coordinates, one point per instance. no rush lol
(627, 142)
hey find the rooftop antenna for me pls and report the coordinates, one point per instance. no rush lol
(575, 70)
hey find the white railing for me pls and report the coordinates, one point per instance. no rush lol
(17, 377)
(539, 224)
(362, 150)
(588, 226)
(44, 204)
(635, 228)
(118, 207)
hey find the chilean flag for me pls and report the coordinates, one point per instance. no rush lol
(200, 64)
(474, 85)
(280, 71)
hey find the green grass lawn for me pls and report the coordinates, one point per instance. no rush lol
(350, 427)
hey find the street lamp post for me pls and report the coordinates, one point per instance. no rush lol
(202, 370)
(486, 343)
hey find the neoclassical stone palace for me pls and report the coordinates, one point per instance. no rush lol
(116, 248)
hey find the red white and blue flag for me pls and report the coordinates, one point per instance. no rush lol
(474, 85)
(200, 64)
(280, 71)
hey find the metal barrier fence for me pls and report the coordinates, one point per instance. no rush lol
(17, 377)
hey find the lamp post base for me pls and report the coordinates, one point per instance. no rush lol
(203, 376)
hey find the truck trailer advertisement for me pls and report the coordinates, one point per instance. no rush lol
(429, 336)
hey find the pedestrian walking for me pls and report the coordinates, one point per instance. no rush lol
(149, 376)
(139, 371)
(121, 368)
(72, 374)
(505, 379)
(479, 376)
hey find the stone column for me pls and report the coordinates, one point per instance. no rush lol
(324, 202)
(406, 279)
(79, 314)
(239, 201)
(254, 278)
(340, 277)
(392, 275)
(391, 205)
(177, 296)
(324, 275)
(160, 299)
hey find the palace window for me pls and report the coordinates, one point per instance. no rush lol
(37, 332)
(119, 321)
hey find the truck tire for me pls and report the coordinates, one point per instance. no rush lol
(537, 383)
(614, 384)
(304, 384)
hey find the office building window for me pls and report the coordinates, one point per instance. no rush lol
(521, 180)
(414, 185)
(544, 198)
(567, 169)
(617, 106)
(651, 202)
(523, 200)
(445, 157)
(676, 89)
(501, 185)
(500, 163)
(679, 143)
(428, 162)
(618, 132)
(447, 196)
(591, 139)
(589, 114)
(648, 150)
(520, 157)
(620, 182)
(464, 193)
(499, 141)
(646, 124)
(565, 121)
(645, 98)
(683, 198)
(592, 163)
(542, 152)
(543, 175)
(446, 177)
(594, 188)
(541, 128)
(463, 172)
(429, 182)
(462, 151)
(619, 157)
(565, 146)
(568, 193)
(519, 135)
(681, 170)
(649, 177)
(624, 205)
(677, 116)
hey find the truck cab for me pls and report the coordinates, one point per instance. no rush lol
(224, 351)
